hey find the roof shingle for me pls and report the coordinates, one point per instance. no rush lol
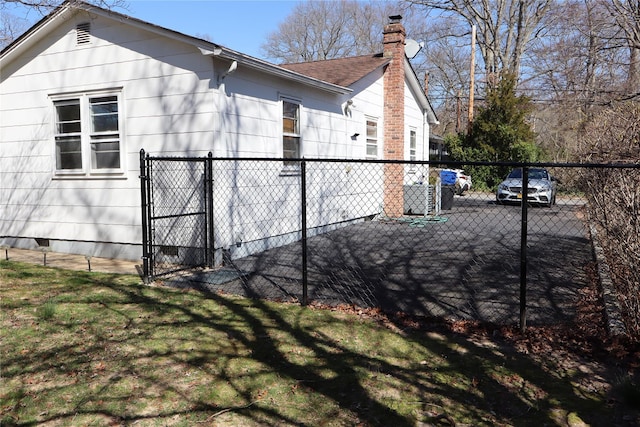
(341, 71)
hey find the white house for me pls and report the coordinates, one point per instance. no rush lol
(85, 89)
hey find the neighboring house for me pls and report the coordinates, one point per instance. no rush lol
(437, 148)
(85, 89)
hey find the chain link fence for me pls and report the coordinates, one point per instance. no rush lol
(377, 234)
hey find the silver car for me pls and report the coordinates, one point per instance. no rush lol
(542, 188)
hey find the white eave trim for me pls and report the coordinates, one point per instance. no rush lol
(274, 70)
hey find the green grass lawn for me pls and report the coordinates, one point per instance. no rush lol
(80, 348)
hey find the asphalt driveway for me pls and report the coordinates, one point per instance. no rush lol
(464, 264)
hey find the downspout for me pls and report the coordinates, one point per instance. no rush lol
(426, 130)
(425, 140)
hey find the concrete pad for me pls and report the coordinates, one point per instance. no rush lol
(71, 261)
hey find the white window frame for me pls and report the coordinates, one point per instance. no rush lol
(296, 133)
(89, 137)
(372, 141)
(413, 146)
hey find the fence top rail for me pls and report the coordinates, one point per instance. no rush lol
(440, 163)
(177, 159)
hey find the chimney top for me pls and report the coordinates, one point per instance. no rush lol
(393, 38)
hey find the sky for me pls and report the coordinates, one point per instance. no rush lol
(241, 25)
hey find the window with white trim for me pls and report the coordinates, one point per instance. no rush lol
(372, 138)
(290, 131)
(87, 134)
(412, 145)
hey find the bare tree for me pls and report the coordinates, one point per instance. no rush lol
(504, 28)
(614, 199)
(41, 6)
(11, 27)
(45, 6)
(579, 68)
(446, 59)
(627, 16)
(317, 30)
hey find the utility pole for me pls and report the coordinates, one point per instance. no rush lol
(458, 110)
(472, 79)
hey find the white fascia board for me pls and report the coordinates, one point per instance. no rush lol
(274, 70)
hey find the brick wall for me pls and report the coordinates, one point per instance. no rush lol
(394, 41)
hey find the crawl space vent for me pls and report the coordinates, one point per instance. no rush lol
(83, 33)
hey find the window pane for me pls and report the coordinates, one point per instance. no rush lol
(290, 122)
(289, 109)
(372, 129)
(110, 102)
(107, 160)
(68, 153)
(104, 114)
(372, 139)
(291, 131)
(289, 126)
(412, 145)
(290, 147)
(105, 155)
(105, 123)
(68, 116)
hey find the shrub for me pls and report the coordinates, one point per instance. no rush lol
(614, 199)
(500, 133)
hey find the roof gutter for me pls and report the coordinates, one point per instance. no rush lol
(268, 68)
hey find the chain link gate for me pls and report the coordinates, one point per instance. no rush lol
(177, 211)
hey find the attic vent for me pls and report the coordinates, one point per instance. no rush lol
(83, 33)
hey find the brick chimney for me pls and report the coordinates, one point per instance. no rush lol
(394, 42)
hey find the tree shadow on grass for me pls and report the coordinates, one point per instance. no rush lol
(124, 353)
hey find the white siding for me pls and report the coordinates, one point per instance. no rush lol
(167, 107)
(415, 119)
(368, 101)
(258, 203)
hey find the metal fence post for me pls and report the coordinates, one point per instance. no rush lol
(209, 243)
(303, 208)
(523, 249)
(144, 202)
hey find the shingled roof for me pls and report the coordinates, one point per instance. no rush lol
(341, 71)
